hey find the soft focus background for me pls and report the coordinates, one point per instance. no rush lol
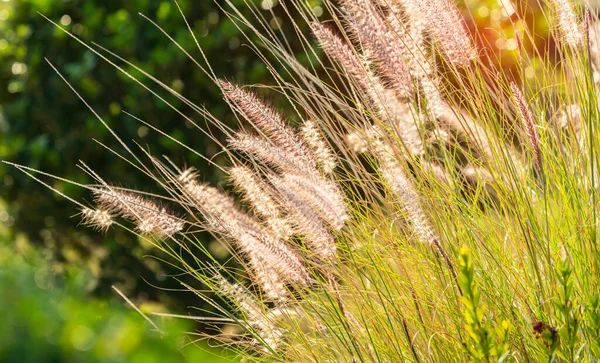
(45, 126)
(44, 255)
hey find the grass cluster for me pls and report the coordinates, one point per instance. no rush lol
(429, 207)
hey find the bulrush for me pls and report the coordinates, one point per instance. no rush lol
(306, 221)
(258, 193)
(96, 218)
(449, 30)
(375, 37)
(267, 120)
(149, 217)
(528, 122)
(322, 152)
(570, 28)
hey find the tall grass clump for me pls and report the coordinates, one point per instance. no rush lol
(415, 204)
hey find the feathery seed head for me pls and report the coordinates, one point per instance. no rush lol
(528, 122)
(322, 152)
(568, 24)
(219, 210)
(306, 220)
(568, 116)
(324, 197)
(188, 175)
(408, 28)
(386, 104)
(252, 309)
(149, 217)
(253, 188)
(269, 154)
(97, 218)
(378, 41)
(275, 254)
(400, 184)
(224, 217)
(259, 194)
(341, 52)
(357, 142)
(449, 30)
(268, 121)
(396, 113)
(271, 283)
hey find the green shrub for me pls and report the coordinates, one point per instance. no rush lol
(46, 318)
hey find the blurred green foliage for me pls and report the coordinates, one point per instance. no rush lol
(50, 319)
(45, 126)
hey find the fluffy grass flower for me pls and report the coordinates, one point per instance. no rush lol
(97, 218)
(150, 218)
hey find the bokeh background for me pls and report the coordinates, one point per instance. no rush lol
(44, 254)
